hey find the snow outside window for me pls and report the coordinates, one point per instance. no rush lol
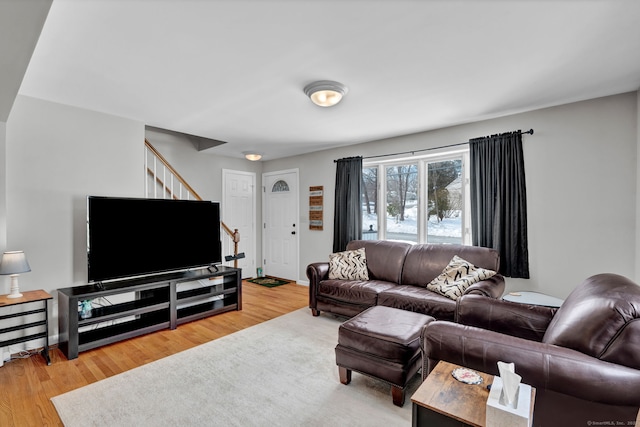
(420, 200)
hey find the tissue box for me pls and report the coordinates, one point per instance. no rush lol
(501, 415)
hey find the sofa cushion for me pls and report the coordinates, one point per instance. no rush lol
(457, 276)
(425, 262)
(595, 315)
(357, 292)
(418, 300)
(348, 265)
(385, 259)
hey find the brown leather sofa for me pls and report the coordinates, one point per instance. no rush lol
(398, 275)
(583, 358)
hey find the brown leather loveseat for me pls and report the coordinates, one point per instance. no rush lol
(398, 275)
(583, 358)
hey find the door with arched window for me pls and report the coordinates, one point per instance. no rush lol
(281, 230)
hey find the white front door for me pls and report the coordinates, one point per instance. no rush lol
(281, 229)
(238, 211)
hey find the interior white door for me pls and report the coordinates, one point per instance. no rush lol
(281, 228)
(238, 211)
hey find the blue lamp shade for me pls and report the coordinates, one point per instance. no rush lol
(13, 263)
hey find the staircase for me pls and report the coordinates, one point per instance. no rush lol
(164, 182)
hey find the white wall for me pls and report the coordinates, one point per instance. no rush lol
(638, 188)
(581, 188)
(56, 155)
(3, 189)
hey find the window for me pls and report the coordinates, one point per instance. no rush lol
(280, 186)
(424, 199)
(444, 201)
(402, 202)
(370, 203)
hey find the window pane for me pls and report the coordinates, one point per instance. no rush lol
(444, 202)
(370, 203)
(279, 186)
(402, 203)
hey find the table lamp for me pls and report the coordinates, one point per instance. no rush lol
(13, 263)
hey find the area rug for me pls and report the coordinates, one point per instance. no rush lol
(279, 373)
(269, 282)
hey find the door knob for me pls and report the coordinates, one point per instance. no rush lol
(293, 232)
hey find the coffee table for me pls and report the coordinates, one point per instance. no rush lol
(443, 401)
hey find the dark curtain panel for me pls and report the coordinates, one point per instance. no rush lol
(499, 200)
(347, 214)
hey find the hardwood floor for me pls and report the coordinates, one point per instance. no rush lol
(26, 385)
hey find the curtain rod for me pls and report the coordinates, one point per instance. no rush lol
(529, 132)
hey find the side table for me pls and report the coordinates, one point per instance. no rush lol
(443, 401)
(28, 297)
(533, 298)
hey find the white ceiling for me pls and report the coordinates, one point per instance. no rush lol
(235, 70)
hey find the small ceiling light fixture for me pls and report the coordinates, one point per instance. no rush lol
(250, 155)
(325, 93)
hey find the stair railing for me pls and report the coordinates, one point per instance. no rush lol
(164, 182)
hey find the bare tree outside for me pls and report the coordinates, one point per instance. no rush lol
(402, 185)
(441, 202)
(370, 190)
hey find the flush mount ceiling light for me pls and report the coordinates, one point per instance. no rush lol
(250, 155)
(325, 93)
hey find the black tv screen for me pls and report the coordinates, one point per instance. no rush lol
(133, 237)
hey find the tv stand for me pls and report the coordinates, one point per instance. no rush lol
(157, 304)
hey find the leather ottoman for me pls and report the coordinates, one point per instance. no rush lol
(382, 342)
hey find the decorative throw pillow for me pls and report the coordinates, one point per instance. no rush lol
(457, 277)
(348, 265)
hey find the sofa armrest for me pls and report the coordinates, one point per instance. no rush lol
(511, 318)
(544, 366)
(493, 287)
(316, 272)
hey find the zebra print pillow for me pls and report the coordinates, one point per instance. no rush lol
(348, 265)
(457, 277)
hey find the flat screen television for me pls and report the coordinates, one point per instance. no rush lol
(129, 237)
